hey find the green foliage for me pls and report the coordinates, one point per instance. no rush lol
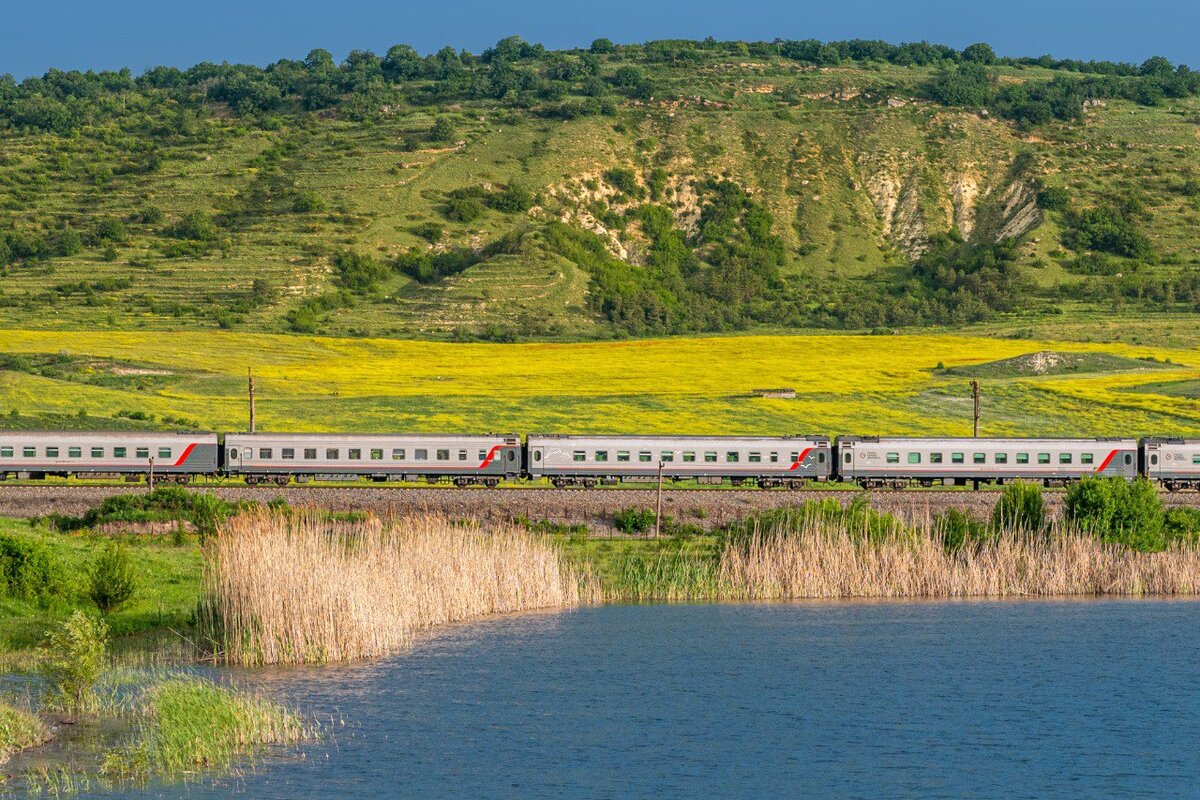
(431, 232)
(425, 266)
(28, 569)
(196, 226)
(1183, 525)
(624, 180)
(358, 272)
(74, 657)
(633, 520)
(443, 130)
(1110, 229)
(112, 579)
(1054, 198)
(1020, 507)
(856, 519)
(959, 529)
(204, 510)
(1120, 511)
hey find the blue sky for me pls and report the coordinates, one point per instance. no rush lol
(107, 34)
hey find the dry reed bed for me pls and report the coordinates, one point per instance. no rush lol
(296, 588)
(830, 561)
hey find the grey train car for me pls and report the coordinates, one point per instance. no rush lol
(1175, 463)
(766, 460)
(875, 461)
(464, 460)
(176, 457)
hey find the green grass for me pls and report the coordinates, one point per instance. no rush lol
(186, 724)
(19, 730)
(167, 591)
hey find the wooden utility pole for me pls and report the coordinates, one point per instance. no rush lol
(975, 399)
(150, 482)
(250, 378)
(658, 504)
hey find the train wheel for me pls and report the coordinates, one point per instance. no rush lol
(282, 480)
(559, 483)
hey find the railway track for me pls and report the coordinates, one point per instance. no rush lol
(708, 507)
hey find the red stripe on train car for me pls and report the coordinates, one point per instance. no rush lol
(1104, 463)
(491, 455)
(187, 451)
(798, 460)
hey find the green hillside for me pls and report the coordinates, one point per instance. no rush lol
(665, 188)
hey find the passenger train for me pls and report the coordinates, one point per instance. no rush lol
(570, 460)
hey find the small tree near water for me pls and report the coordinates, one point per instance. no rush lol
(75, 657)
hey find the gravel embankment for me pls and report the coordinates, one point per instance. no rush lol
(707, 507)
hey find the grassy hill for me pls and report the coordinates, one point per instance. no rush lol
(665, 188)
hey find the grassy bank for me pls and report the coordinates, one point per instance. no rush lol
(297, 587)
(19, 729)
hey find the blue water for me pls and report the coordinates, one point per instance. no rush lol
(926, 699)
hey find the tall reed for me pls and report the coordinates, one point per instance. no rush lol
(824, 559)
(300, 587)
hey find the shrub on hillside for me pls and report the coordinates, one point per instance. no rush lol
(1116, 510)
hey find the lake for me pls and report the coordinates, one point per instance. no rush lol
(864, 699)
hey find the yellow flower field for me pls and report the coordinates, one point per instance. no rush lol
(844, 384)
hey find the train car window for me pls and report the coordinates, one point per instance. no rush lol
(377, 454)
(420, 454)
(164, 452)
(957, 458)
(979, 458)
(97, 452)
(710, 456)
(462, 455)
(579, 455)
(1022, 458)
(848, 457)
(1153, 458)
(622, 455)
(354, 454)
(893, 458)
(795, 457)
(689, 456)
(331, 453)
(821, 458)
(287, 453)
(143, 452)
(443, 455)
(601, 455)
(1086, 458)
(732, 457)
(247, 452)
(397, 454)
(668, 455)
(935, 458)
(537, 455)
(51, 452)
(29, 452)
(483, 455)
(6, 452)
(265, 452)
(914, 458)
(755, 458)
(75, 452)
(1128, 459)
(644, 455)
(310, 453)
(1001, 458)
(1043, 458)
(1064, 458)
(1195, 457)
(775, 458)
